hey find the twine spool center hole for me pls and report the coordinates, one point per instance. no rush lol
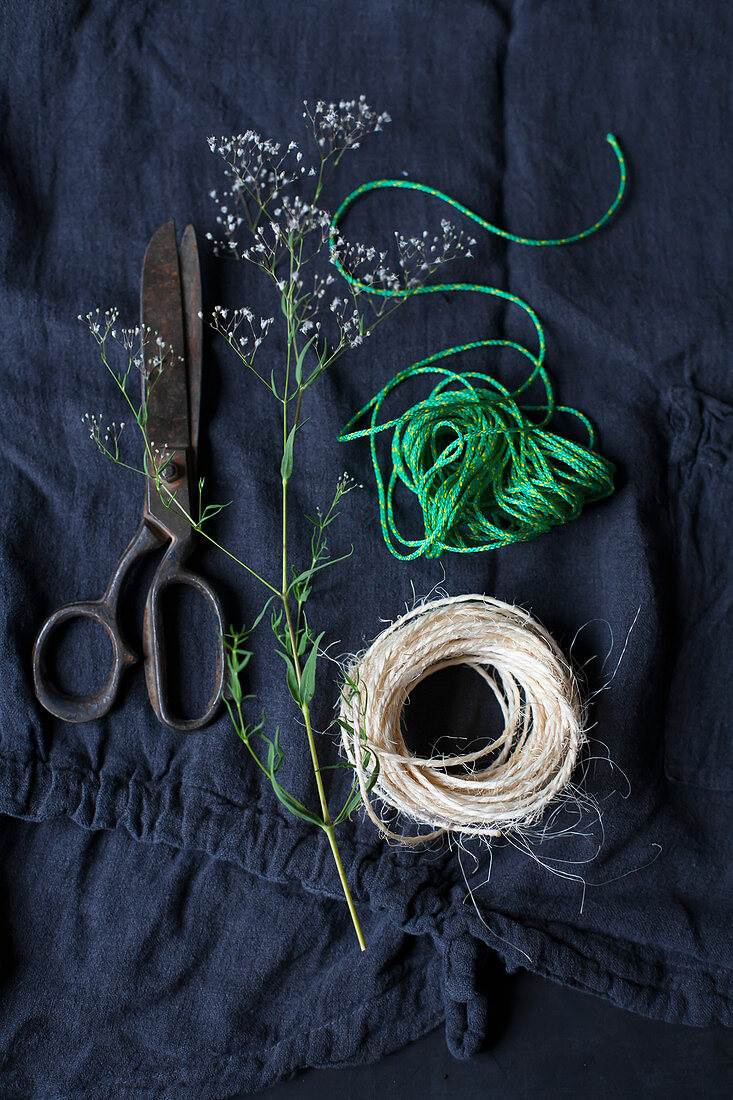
(452, 711)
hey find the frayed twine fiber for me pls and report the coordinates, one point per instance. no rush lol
(506, 784)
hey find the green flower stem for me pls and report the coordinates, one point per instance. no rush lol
(229, 554)
(305, 711)
(345, 886)
(285, 597)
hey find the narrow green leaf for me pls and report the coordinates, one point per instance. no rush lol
(212, 510)
(350, 805)
(275, 754)
(308, 677)
(296, 807)
(374, 775)
(235, 688)
(275, 622)
(355, 797)
(286, 466)
(261, 615)
(303, 595)
(299, 360)
(291, 678)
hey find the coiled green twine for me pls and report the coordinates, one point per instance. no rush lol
(484, 467)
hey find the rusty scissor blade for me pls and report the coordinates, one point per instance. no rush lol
(166, 389)
(191, 294)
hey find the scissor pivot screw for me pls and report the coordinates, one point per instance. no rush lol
(169, 472)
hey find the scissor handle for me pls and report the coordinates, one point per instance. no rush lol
(85, 708)
(80, 708)
(171, 572)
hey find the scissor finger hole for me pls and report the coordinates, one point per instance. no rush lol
(191, 637)
(79, 656)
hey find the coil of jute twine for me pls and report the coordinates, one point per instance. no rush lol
(498, 788)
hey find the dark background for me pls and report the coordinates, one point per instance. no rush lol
(167, 931)
(549, 1042)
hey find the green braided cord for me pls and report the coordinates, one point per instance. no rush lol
(483, 467)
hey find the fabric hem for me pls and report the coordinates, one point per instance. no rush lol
(241, 1071)
(418, 896)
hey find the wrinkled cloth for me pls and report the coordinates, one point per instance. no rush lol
(169, 930)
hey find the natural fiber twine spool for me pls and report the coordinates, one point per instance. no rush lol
(500, 787)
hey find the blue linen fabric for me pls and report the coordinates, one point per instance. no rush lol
(168, 929)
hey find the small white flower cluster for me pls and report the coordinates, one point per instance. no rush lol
(345, 484)
(155, 355)
(131, 338)
(419, 257)
(229, 327)
(340, 126)
(367, 265)
(101, 324)
(133, 342)
(293, 218)
(298, 217)
(162, 453)
(258, 167)
(106, 437)
(141, 348)
(313, 301)
(266, 247)
(350, 322)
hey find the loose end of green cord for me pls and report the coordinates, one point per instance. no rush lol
(533, 242)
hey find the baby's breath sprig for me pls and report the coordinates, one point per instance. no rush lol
(127, 353)
(338, 127)
(270, 216)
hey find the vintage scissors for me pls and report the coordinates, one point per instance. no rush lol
(171, 312)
